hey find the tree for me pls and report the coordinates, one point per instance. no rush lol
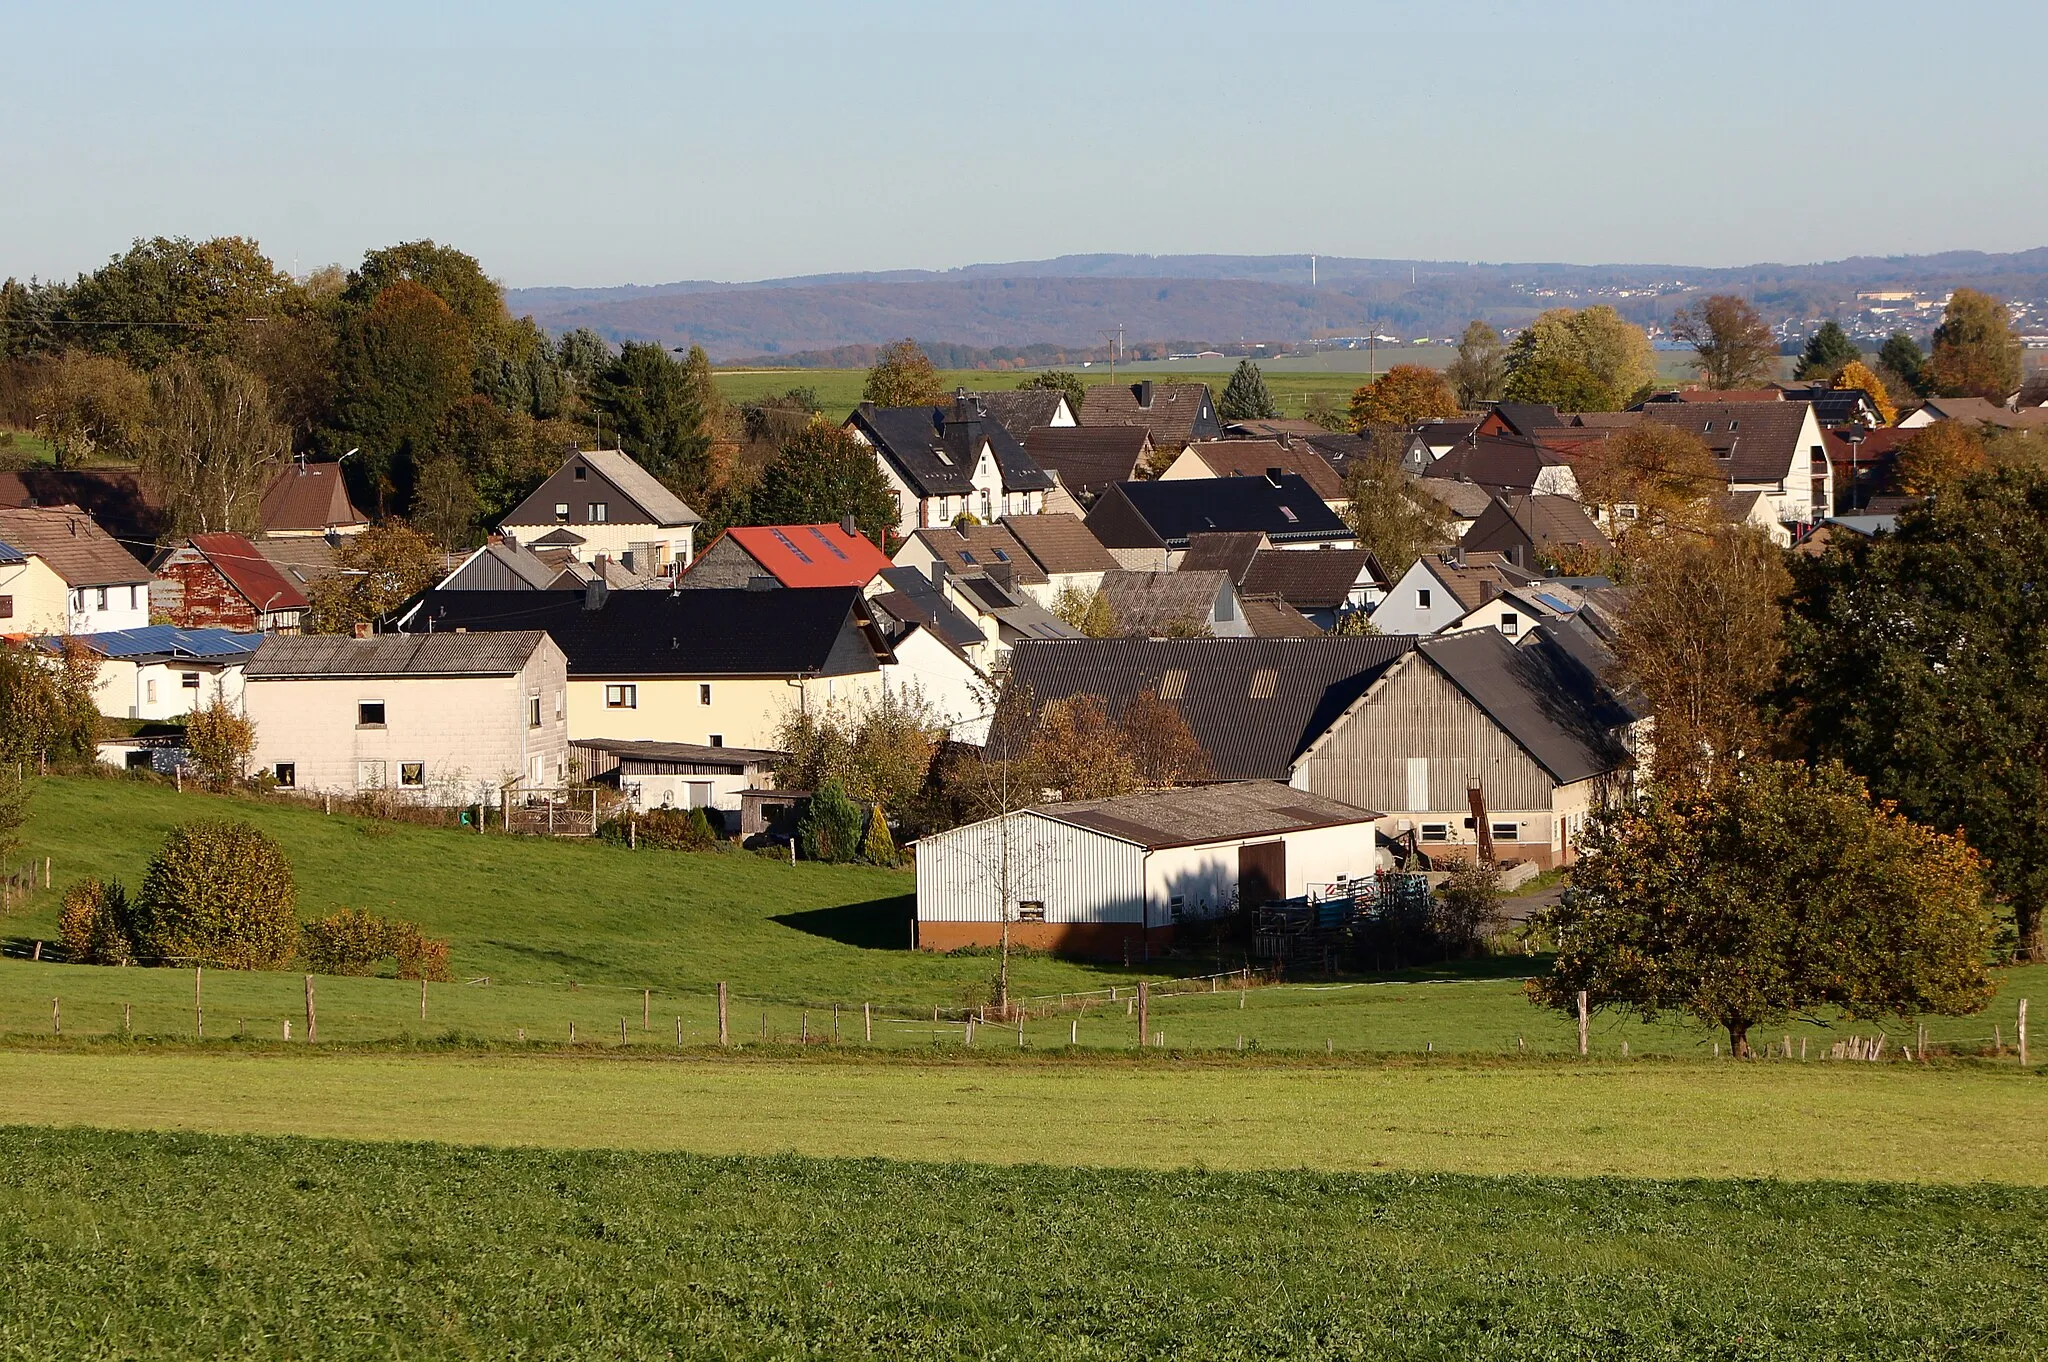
(1827, 351)
(1977, 349)
(217, 892)
(95, 925)
(1323, 409)
(453, 276)
(212, 445)
(1466, 908)
(47, 706)
(445, 503)
(502, 454)
(1914, 659)
(1936, 455)
(1245, 397)
(1164, 750)
(402, 364)
(1391, 518)
(17, 791)
(1701, 639)
(829, 827)
(1062, 381)
(1078, 752)
(86, 404)
(1648, 480)
(655, 416)
(582, 355)
(377, 571)
(1088, 611)
(821, 474)
(294, 355)
(718, 420)
(1785, 892)
(1901, 356)
(879, 750)
(1481, 367)
(1401, 396)
(904, 377)
(1588, 360)
(1857, 374)
(1735, 348)
(220, 742)
(172, 295)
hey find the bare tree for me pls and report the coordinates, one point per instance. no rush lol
(1734, 346)
(212, 443)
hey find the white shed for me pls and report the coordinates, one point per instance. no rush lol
(1106, 876)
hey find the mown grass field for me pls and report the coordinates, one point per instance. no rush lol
(170, 1246)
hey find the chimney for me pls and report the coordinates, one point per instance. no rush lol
(1003, 575)
(1488, 589)
(1516, 553)
(847, 527)
(362, 628)
(1273, 476)
(1145, 395)
(866, 409)
(594, 594)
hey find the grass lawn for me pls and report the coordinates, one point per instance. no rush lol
(173, 1246)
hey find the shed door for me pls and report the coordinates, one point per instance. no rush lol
(1261, 873)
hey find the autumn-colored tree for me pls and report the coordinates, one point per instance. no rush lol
(1857, 374)
(878, 750)
(1391, 518)
(1401, 396)
(1649, 479)
(217, 892)
(47, 710)
(212, 445)
(1784, 891)
(86, 405)
(1245, 397)
(378, 570)
(1735, 348)
(1589, 360)
(1936, 455)
(1827, 352)
(444, 503)
(453, 276)
(1977, 349)
(503, 455)
(402, 364)
(1078, 752)
(1701, 639)
(903, 377)
(220, 740)
(1164, 750)
(1088, 611)
(1481, 367)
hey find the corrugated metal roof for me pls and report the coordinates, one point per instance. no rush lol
(1207, 813)
(1541, 697)
(395, 655)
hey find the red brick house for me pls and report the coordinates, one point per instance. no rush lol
(221, 581)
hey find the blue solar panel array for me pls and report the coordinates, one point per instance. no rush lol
(165, 639)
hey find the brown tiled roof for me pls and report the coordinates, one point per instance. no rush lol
(1468, 575)
(1752, 441)
(1228, 551)
(1088, 458)
(1271, 617)
(977, 548)
(1148, 603)
(75, 548)
(1060, 542)
(1310, 579)
(1174, 418)
(1251, 458)
(1543, 520)
(119, 501)
(1497, 463)
(1020, 410)
(306, 498)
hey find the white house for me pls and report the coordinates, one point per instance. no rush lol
(1440, 589)
(943, 462)
(62, 574)
(1105, 877)
(1772, 448)
(601, 504)
(161, 672)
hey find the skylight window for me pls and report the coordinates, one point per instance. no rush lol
(944, 457)
(967, 556)
(1173, 684)
(830, 547)
(1292, 518)
(1263, 681)
(790, 544)
(1002, 557)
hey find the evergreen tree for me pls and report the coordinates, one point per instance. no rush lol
(650, 403)
(1902, 356)
(1827, 353)
(820, 474)
(1246, 398)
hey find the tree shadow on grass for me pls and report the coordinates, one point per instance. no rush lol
(877, 925)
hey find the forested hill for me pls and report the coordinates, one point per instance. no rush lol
(1074, 301)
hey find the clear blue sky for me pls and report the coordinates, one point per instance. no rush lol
(613, 143)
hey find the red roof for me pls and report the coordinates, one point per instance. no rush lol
(811, 555)
(249, 572)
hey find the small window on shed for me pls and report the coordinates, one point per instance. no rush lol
(1263, 681)
(1507, 832)
(189, 680)
(1173, 683)
(1436, 832)
(1422, 598)
(369, 714)
(287, 775)
(1031, 910)
(412, 773)
(1178, 905)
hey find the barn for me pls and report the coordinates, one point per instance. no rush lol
(1106, 877)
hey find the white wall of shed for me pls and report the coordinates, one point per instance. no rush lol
(1080, 876)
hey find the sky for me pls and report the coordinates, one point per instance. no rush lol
(597, 144)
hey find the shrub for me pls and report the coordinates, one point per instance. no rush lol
(220, 743)
(95, 923)
(878, 847)
(354, 942)
(220, 892)
(1467, 908)
(830, 826)
(664, 829)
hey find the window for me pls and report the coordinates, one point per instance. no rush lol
(287, 773)
(370, 714)
(1436, 832)
(1508, 620)
(985, 516)
(718, 739)
(1507, 832)
(581, 472)
(134, 594)
(412, 773)
(967, 557)
(369, 775)
(1177, 905)
(1291, 517)
(1263, 682)
(598, 512)
(1031, 910)
(558, 704)
(6, 607)
(189, 680)
(622, 697)
(1422, 598)
(533, 711)
(149, 691)
(1173, 683)
(704, 695)
(561, 513)
(102, 598)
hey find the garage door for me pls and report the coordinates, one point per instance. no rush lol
(1261, 873)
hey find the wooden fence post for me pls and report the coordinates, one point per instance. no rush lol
(423, 999)
(1074, 1032)
(1585, 1026)
(1020, 1028)
(2023, 1033)
(1144, 1015)
(198, 1004)
(312, 1021)
(646, 1009)
(679, 1033)
(867, 1021)
(56, 1016)
(835, 1023)
(724, 1038)
(127, 1019)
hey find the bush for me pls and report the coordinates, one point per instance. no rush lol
(1467, 908)
(663, 829)
(95, 925)
(878, 847)
(830, 826)
(217, 892)
(220, 743)
(354, 942)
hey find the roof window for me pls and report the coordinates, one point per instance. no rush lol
(831, 547)
(1292, 518)
(967, 556)
(1002, 557)
(1263, 681)
(1173, 684)
(790, 544)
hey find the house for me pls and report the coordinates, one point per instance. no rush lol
(119, 500)
(1272, 617)
(1252, 458)
(906, 598)
(971, 549)
(717, 667)
(1529, 528)
(221, 581)
(1978, 411)
(432, 718)
(1439, 438)
(1173, 414)
(63, 574)
(308, 500)
(1115, 877)
(1775, 448)
(1020, 410)
(948, 461)
(1148, 524)
(1086, 459)
(501, 566)
(1516, 611)
(1001, 612)
(600, 503)
(302, 560)
(787, 555)
(1501, 464)
(1072, 558)
(1174, 604)
(1865, 464)
(1326, 586)
(1470, 741)
(1441, 588)
(676, 775)
(160, 672)
(1529, 420)
(1462, 502)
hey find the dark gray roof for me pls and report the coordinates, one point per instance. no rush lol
(1156, 602)
(1252, 703)
(912, 598)
(1019, 409)
(1526, 418)
(1142, 515)
(1192, 815)
(1089, 458)
(934, 448)
(1228, 551)
(1554, 709)
(635, 750)
(494, 654)
(1311, 579)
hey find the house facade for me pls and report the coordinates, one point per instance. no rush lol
(1774, 449)
(601, 504)
(1439, 589)
(221, 581)
(947, 461)
(104, 588)
(161, 672)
